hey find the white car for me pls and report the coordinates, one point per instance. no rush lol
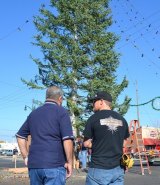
(9, 152)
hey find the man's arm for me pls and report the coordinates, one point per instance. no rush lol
(68, 148)
(124, 144)
(22, 143)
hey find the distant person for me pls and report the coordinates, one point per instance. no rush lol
(89, 155)
(83, 155)
(50, 155)
(77, 147)
(15, 153)
(76, 163)
(132, 153)
(105, 132)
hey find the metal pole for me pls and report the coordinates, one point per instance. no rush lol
(137, 103)
(15, 162)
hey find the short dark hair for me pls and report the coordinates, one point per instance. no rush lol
(108, 103)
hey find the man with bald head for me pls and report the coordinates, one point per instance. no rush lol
(49, 159)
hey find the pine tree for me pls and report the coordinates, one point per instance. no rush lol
(78, 52)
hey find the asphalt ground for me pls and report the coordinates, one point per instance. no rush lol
(6, 162)
(132, 177)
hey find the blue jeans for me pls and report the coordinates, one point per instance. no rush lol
(53, 176)
(83, 158)
(113, 176)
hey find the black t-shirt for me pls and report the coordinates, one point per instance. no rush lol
(107, 129)
(15, 151)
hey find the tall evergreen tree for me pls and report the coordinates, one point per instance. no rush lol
(78, 52)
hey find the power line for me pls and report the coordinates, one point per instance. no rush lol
(127, 39)
(141, 34)
(149, 25)
(143, 18)
(18, 29)
(142, 53)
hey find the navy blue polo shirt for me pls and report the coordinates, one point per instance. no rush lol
(48, 126)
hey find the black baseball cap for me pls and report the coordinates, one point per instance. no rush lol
(101, 95)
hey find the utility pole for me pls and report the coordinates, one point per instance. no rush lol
(137, 102)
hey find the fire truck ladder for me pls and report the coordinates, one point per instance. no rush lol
(138, 144)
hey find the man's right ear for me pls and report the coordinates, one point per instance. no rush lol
(60, 99)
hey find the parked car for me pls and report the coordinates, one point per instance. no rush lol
(7, 152)
(3, 152)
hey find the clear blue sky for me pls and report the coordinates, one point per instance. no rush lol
(136, 22)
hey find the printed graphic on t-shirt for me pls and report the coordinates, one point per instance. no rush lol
(111, 123)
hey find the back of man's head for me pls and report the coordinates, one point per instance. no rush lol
(54, 93)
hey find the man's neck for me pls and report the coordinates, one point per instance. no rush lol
(105, 108)
(51, 100)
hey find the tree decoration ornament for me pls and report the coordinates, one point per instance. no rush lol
(155, 103)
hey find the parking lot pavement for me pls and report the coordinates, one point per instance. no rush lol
(133, 177)
(6, 162)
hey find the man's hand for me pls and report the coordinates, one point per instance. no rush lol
(68, 147)
(88, 143)
(69, 170)
(22, 143)
(26, 161)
